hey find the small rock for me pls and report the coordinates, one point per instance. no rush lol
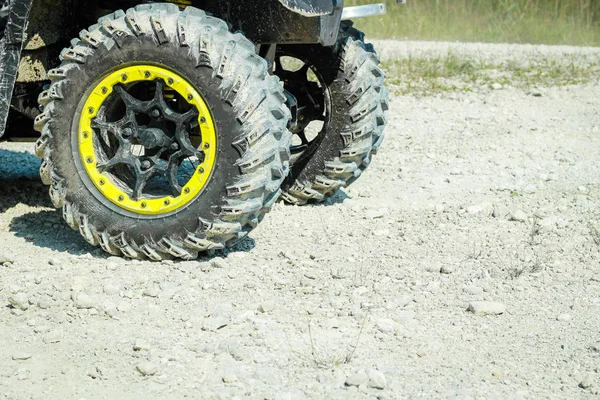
(267, 306)
(53, 337)
(218, 262)
(6, 259)
(111, 289)
(486, 308)
(564, 317)
(358, 378)
(377, 379)
(500, 211)
(146, 368)
(496, 86)
(152, 291)
(19, 301)
(474, 290)
(595, 347)
(374, 214)
(82, 300)
(587, 382)
(518, 216)
(21, 356)
(447, 269)
(229, 377)
(213, 324)
(386, 325)
(474, 209)
(124, 306)
(141, 345)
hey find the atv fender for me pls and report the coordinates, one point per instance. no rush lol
(11, 45)
(309, 8)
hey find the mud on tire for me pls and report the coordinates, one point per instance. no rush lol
(355, 130)
(248, 107)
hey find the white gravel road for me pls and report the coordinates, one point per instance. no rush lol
(463, 264)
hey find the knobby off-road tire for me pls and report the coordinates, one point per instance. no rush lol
(250, 120)
(358, 104)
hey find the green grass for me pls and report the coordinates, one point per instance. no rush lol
(574, 22)
(451, 72)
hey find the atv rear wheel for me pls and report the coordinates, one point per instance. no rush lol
(341, 104)
(162, 134)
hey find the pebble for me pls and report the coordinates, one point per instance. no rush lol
(124, 306)
(474, 209)
(500, 211)
(474, 290)
(377, 379)
(82, 300)
(218, 262)
(496, 86)
(141, 345)
(21, 356)
(587, 382)
(152, 291)
(267, 306)
(518, 216)
(53, 337)
(111, 289)
(213, 324)
(19, 301)
(564, 317)
(358, 378)
(146, 368)
(6, 259)
(374, 214)
(486, 308)
(386, 325)
(229, 377)
(447, 269)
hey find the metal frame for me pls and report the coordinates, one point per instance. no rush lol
(11, 46)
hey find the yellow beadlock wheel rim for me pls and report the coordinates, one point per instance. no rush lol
(104, 182)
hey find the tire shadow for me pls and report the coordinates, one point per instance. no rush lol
(47, 229)
(20, 182)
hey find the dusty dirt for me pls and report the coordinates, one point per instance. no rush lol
(491, 196)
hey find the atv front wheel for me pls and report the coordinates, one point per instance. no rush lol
(340, 105)
(162, 134)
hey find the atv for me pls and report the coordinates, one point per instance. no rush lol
(171, 128)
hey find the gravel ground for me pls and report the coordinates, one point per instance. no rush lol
(465, 263)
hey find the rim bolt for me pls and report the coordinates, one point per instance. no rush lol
(201, 170)
(206, 145)
(190, 97)
(143, 205)
(104, 90)
(91, 110)
(174, 146)
(121, 198)
(124, 77)
(102, 182)
(170, 81)
(86, 135)
(147, 74)
(146, 164)
(167, 202)
(202, 120)
(186, 190)
(89, 160)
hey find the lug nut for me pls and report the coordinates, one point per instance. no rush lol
(146, 164)
(174, 146)
(155, 113)
(127, 132)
